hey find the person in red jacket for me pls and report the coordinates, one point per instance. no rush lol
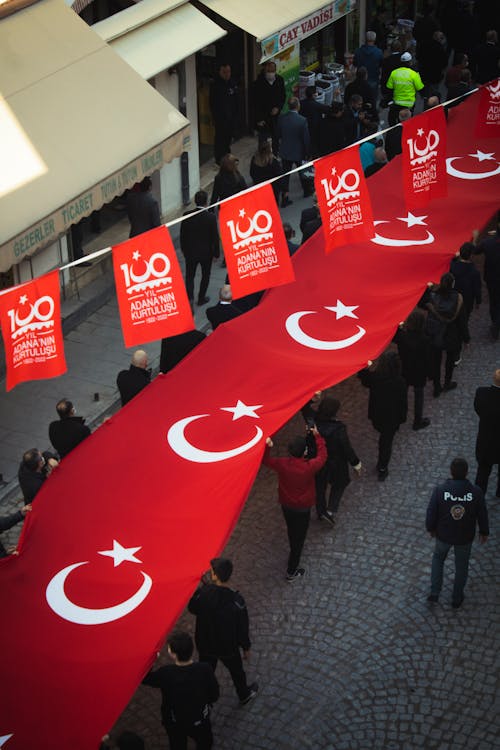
(296, 492)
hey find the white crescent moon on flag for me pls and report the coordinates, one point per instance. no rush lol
(468, 175)
(68, 610)
(181, 445)
(295, 331)
(379, 239)
(4, 739)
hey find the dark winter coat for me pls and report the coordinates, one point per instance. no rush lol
(388, 402)
(65, 434)
(414, 348)
(221, 620)
(467, 282)
(447, 321)
(454, 509)
(130, 382)
(487, 407)
(340, 452)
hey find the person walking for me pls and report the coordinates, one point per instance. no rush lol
(293, 135)
(487, 408)
(467, 278)
(69, 430)
(491, 249)
(404, 83)
(455, 507)
(199, 238)
(188, 691)
(448, 330)
(222, 626)
(296, 492)
(269, 95)
(142, 208)
(387, 404)
(414, 348)
(340, 455)
(224, 107)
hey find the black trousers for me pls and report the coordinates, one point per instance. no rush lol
(285, 181)
(222, 139)
(436, 357)
(191, 266)
(483, 475)
(200, 733)
(323, 479)
(386, 436)
(297, 523)
(418, 391)
(234, 664)
(494, 304)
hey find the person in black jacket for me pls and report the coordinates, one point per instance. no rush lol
(387, 405)
(130, 382)
(414, 348)
(340, 454)
(268, 99)
(224, 106)
(69, 431)
(448, 331)
(222, 626)
(487, 407)
(33, 471)
(188, 691)
(454, 509)
(7, 522)
(467, 277)
(199, 238)
(175, 348)
(224, 310)
(491, 249)
(142, 208)
(228, 180)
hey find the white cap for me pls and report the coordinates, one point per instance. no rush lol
(406, 57)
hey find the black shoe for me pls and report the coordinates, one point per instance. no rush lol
(327, 517)
(203, 301)
(450, 386)
(433, 598)
(254, 689)
(456, 603)
(382, 474)
(299, 573)
(286, 202)
(425, 422)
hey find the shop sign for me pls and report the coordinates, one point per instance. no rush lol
(47, 231)
(304, 27)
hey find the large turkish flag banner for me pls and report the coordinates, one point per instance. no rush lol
(102, 578)
(30, 319)
(152, 298)
(343, 198)
(424, 158)
(255, 246)
(488, 111)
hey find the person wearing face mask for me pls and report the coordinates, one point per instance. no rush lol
(268, 100)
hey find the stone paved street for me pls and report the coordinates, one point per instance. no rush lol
(352, 656)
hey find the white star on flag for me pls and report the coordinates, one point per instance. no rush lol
(242, 410)
(22, 301)
(4, 739)
(420, 131)
(121, 554)
(334, 171)
(343, 311)
(482, 156)
(412, 220)
(136, 255)
(242, 213)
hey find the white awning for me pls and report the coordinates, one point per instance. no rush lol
(77, 127)
(154, 35)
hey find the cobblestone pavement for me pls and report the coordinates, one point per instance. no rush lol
(353, 656)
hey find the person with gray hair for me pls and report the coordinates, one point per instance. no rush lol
(370, 56)
(294, 139)
(224, 310)
(130, 382)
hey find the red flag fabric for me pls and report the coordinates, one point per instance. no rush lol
(30, 319)
(488, 111)
(254, 242)
(152, 298)
(101, 599)
(343, 198)
(424, 155)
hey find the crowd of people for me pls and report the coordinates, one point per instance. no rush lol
(319, 464)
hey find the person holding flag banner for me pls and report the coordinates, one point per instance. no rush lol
(343, 199)
(152, 298)
(30, 319)
(424, 158)
(254, 242)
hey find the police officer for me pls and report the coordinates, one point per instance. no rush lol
(454, 508)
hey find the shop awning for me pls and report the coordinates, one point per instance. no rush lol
(156, 34)
(280, 23)
(77, 127)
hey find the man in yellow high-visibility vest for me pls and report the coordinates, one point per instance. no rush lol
(404, 83)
